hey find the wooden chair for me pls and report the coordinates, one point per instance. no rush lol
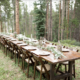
(14, 51)
(6, 46)
(20, 56)
(28, 59)
(42, 68)
(10, 48)
(3, 43)
(67, 64)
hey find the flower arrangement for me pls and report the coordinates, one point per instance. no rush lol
(27, 42)
(57, 53)
(20, 37)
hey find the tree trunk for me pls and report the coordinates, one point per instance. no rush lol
(47, 13)
(29, 25)
(14, 16)
(71, 24)
(74, 10)
(67, 14)
(1, 27)
(17, 17)
(63, 14)
(0, 18)
(50, 20)
(24, 20)
(59, 21)
(73, 18)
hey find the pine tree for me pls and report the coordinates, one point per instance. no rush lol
(5, 13)
(40, 18)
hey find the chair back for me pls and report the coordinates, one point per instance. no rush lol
(39, 59)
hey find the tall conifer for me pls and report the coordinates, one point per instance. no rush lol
(40, 18)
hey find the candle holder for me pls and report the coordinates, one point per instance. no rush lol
(59, 47)
(15, 34)
(41, 40)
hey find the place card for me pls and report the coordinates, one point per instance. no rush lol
(65, 50)
(41, 52)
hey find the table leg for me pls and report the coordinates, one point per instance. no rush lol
(70, 70)
(52, 72)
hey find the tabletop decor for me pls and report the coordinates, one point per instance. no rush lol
(27, 42)
(24, 38)
(20, 37)
(59, 47)
(57, 53)
(41, 41)
(15, 34)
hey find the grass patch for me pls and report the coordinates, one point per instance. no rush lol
(11, 71)
(71, 42)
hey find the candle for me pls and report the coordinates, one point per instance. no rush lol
(24, 33)
(31, 37)
(23, 38)
(7, 30)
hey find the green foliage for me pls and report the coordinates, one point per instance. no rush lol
(40, 18)
(75, 22)
(23, 19)
(57, 53)
(55, 20)
(72, 42)
(55, 40)
(6, 10)
(66, 25)
(77, 9)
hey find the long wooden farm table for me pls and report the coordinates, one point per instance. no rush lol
(69, 56)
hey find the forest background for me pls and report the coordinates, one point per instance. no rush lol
(43, 20)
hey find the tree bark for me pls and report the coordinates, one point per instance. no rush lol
(67, 17)
(50, 20)
(0, 18)
(14, 16)
(1, 21)
(47, 19)
(71, 24)
(1, 27)
(63, 14)
(17, 17)
(74, 10)
(59, 21)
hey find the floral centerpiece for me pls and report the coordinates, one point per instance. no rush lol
(20, 37)
(57, 53)
(27, 42)
(15, 34)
